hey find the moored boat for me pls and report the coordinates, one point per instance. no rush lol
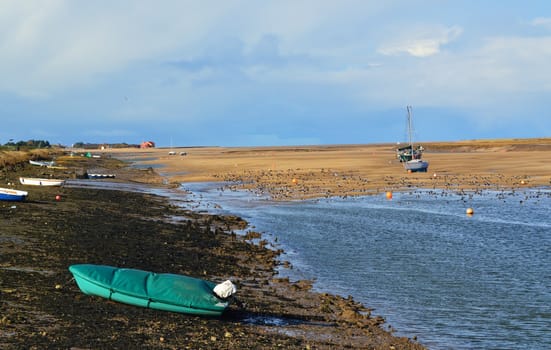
(100, 176)
(40, 182)
(42, 163)
(415, 163)
(7, 194)
(161, 291)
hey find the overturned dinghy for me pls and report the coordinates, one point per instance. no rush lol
(161, 291)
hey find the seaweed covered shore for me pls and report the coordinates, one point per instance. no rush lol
(41, 306)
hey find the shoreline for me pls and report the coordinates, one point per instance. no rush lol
(353, 170)
(43, 236)
(42, 306)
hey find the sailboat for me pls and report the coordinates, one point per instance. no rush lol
(414, 164)
(171, 152)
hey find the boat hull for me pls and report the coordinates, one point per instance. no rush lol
(7, 194)
(417, 165)
(40, 182)
(168, 292)
(41, 163)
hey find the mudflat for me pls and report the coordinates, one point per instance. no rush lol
(347, 170)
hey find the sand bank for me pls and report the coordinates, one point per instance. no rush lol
(350, 170)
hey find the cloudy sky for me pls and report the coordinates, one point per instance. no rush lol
(243, 73)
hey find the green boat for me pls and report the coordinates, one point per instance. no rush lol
(161, 291)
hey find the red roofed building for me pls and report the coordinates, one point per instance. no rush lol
(147, 144)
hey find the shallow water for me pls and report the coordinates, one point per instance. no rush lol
(452, 280)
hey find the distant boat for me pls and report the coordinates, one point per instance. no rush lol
(32, 181)
(42, 163)
(415, 163)
(7, 194)
(161, 291)
(100, 176)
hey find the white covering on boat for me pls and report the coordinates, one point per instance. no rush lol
(225, 289)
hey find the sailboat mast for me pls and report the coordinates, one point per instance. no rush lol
(415, 164)
(409, 129)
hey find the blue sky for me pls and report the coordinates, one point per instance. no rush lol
(251, 73)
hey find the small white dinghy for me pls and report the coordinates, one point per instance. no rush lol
(33, 181)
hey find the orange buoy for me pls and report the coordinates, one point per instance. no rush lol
(294, 181)
(389, 195)
(470, 211)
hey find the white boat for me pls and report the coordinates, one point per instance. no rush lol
(42, 163)
(7, 194)
(415, 164)
(101, 176)
(33, 181)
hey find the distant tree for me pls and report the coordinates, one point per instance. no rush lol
(26, 145)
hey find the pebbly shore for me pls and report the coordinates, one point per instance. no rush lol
(43, 308)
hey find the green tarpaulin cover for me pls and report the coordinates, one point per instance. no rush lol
(162, 291)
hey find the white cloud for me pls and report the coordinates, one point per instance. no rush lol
(52, 45)
(421, 44)
(499, 79)
(291, 53)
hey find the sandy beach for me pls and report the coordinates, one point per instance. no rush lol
(350, 170)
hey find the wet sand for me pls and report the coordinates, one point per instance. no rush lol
(351, 170)
(42, 307)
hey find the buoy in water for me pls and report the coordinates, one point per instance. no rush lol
(58, 197)
(389, 195)
(294, 181)
(470, 211)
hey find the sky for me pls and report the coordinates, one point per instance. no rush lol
(273, 73)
